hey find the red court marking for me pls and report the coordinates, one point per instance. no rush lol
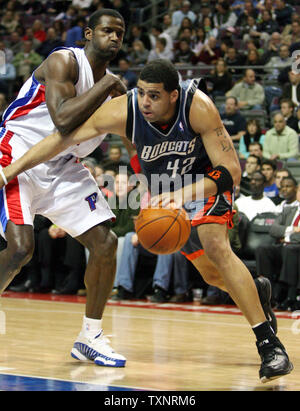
(190, 307)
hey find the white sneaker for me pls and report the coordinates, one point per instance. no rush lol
(98, 350)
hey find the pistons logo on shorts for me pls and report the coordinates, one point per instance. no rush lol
(91, 199)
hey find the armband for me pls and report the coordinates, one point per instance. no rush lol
(221, 176)
(135, 164)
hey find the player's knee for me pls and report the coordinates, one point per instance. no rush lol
(20, 254)
(105, 249)
(218, 252)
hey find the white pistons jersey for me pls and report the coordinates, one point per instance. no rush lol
(61, 189)
(29, 119)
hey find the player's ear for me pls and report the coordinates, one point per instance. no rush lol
(174, 96)
(88, 33)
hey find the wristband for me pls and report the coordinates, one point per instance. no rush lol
(221, 176)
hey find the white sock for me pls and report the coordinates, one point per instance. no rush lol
(91, 327)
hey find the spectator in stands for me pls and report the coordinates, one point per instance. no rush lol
(224, 17)
(15, 42)
(126, 74)
(51, 42)
(291, 90)
(249, 30)
(209, 29)
(184, 55)
(185, 24)
(139, 54)
(256, 149)
(253, 164)
(287, 110)
(234, 58)
(266, 27)
(7, 52)
(272, 47)
(253, 135)
(221, 79)
(287, 190)
(276, 262)
(249, 93)
(114, 159)
(281, 141)
(26, 61)
(294, 36)
(74, 35)
(210, 52)
(233, 120)
(278, 62)
(283, 13)
(253, 59)
(257, 202)
(168, 28)
(249, 10)
(38, 30)
(157, 32)
(136, 33)
(268, 169)
(200, 40)
(67, 16)
(29, 35)
(160, 51)
(185, 11)
(9, 22)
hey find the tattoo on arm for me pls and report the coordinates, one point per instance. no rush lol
(226, 146)
(219, 131)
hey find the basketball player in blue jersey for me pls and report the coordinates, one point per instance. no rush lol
(176, 129)
(60, 95)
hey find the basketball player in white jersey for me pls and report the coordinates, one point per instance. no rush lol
(60, 95)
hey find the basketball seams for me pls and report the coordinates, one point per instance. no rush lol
(160, 236)
(156, 219)
(171, 225)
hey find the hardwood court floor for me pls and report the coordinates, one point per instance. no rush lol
(168, 347)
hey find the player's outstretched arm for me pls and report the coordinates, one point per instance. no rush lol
(109, 118)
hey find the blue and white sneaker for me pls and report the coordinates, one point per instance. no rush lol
(98, 350)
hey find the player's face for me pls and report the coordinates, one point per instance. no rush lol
(156, 104)
(107, 37)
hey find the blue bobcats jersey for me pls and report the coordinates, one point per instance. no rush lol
(178, 153)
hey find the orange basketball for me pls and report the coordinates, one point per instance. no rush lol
(163, 230)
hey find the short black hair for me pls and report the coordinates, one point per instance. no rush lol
(292, 179)
(94, 18)
(269, 162)
(161, 71)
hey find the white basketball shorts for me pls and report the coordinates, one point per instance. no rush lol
(62, 190)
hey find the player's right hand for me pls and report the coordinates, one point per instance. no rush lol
(119, 86)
